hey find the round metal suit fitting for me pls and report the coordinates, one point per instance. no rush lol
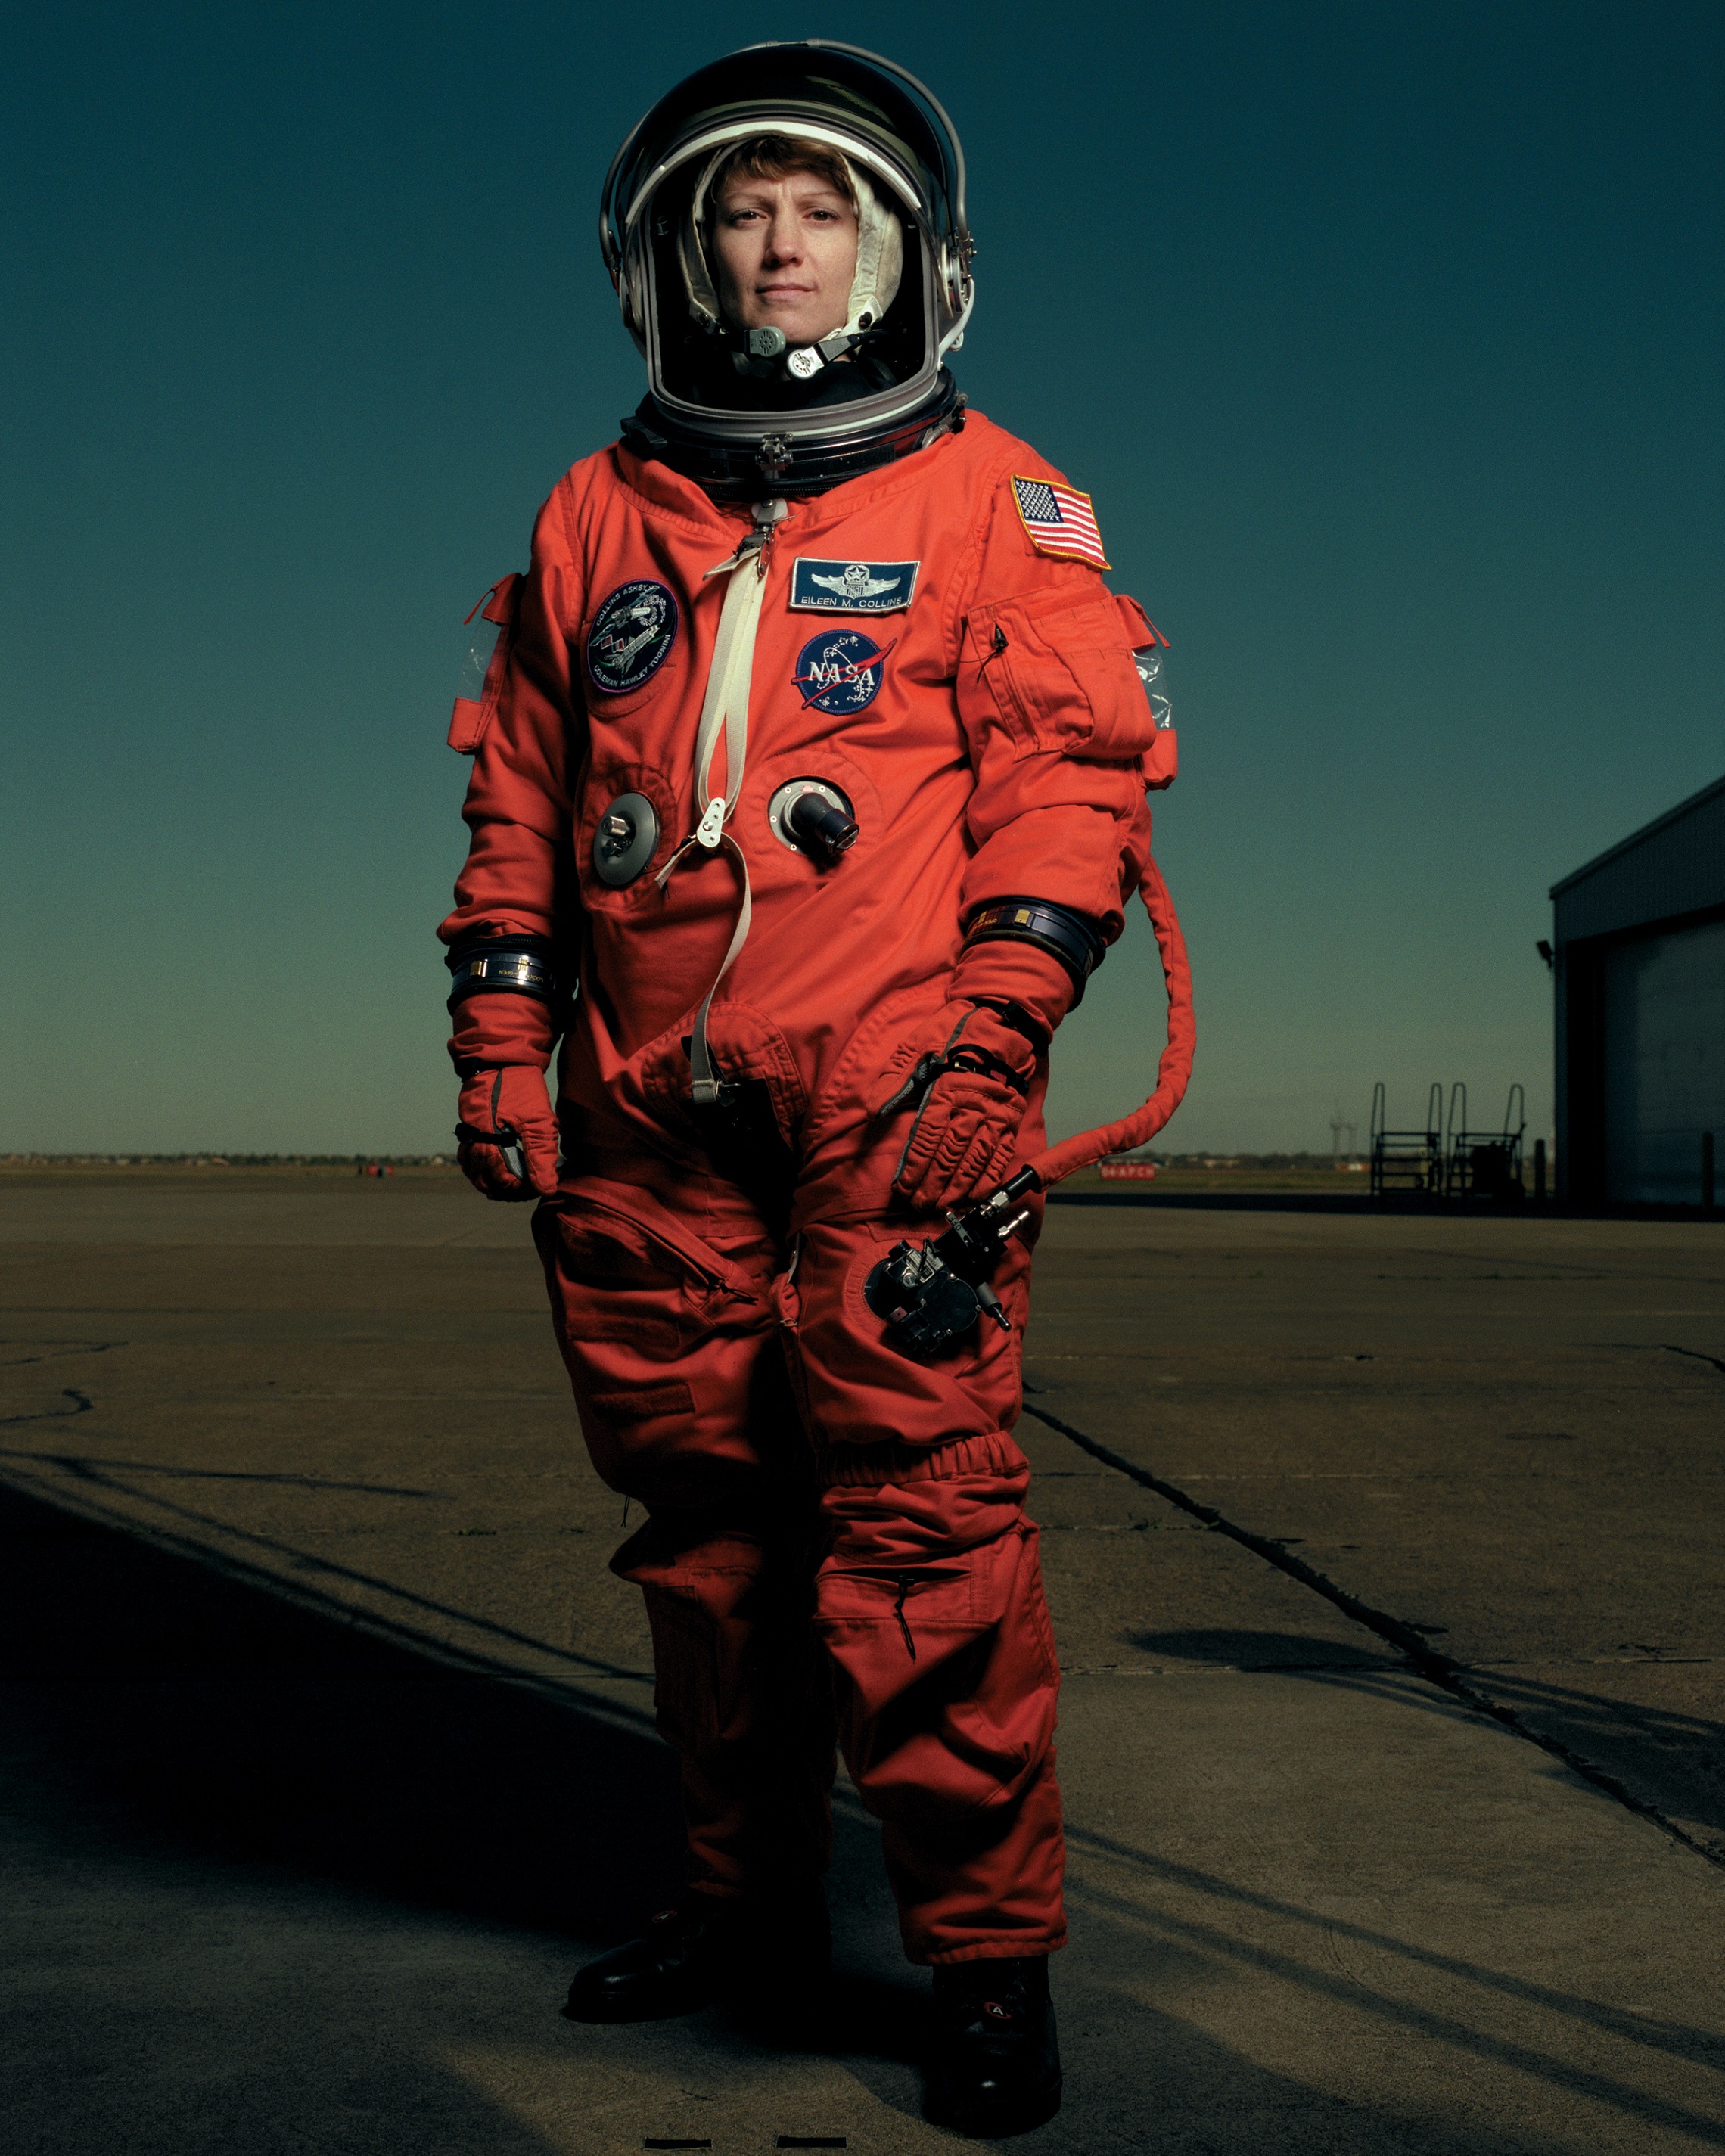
(824, 829)
(625, 840)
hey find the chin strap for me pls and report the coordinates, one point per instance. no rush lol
(766, 355)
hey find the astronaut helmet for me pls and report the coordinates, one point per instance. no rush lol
(733, 406)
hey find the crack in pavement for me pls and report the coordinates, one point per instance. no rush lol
(1695, 1355)
(55, 1351)
(85, 1405)
(1437, 1669)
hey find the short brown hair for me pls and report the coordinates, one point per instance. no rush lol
(776, 157)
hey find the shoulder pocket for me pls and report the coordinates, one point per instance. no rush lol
(1055, 673)
(491, 627)
(1160, 762)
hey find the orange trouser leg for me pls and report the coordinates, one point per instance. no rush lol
(929, 1600)
(663, 1308)
(896, 1540)
(741, 1692)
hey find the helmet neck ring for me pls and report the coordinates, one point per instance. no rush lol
(792, 467)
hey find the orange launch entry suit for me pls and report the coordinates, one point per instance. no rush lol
(836, 1528)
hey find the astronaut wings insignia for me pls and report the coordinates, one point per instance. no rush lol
(852, 587)
(856, 582)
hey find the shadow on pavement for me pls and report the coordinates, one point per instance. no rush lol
(160, 1708)
(1675, 1760)
(221, 1719)
(1322, 1980)
(1660, 1755)
(174, 1711)
(1288, 1652)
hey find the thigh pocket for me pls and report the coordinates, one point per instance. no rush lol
(921, 1608)
(949, 1704)
(650, 1316)
(890, 1629)
(935, 1597)
(635, 1291)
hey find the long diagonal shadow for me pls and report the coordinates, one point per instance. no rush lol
(165, 1702)
(1588, 1706)
(1587, 1711)
(88, 1466)
(1701, 2045)
(172, 1700)
(1578, 2081)
(88, 1476)
(241, 1718)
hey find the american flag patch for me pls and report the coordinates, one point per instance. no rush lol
(1060, 520)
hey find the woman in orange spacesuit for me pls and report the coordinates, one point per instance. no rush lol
(808, 784)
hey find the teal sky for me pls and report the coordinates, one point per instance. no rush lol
(1387, 338)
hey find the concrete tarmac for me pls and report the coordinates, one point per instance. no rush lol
(326, 1736)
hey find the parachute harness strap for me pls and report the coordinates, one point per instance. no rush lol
(725, 712)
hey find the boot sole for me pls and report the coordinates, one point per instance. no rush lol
(997, 2121)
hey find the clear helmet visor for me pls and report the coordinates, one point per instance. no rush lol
(911, 281)
(698, 359)
(879, 244)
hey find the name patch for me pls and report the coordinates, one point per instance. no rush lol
(632, 636)
(852, 587)
(839, 671)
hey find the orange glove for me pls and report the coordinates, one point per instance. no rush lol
(511, 1103)
(967, 1074)
(968, 1083)
(502, 1045)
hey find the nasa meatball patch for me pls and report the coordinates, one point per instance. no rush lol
(852, 587)
(631, 637)
(839, 671)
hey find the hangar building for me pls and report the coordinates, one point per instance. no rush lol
(1640, 963)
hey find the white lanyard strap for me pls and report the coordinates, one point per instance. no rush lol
(726, 702)
(725, 709)
(706, 1079)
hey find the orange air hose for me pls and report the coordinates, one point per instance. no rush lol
(1172, 1072)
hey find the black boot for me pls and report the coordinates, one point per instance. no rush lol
(752, 1953)
(995, 2065)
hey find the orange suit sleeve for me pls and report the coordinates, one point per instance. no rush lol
(1058, 725)
(527, 736)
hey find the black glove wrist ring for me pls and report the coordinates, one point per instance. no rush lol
(1063, 933)
(519, 965)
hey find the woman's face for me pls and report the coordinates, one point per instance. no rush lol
(786, 254)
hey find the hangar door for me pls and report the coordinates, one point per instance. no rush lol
(1664, 1063)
